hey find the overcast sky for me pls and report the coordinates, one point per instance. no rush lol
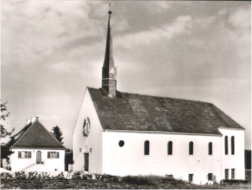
(52, 50)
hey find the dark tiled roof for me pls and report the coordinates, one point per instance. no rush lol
(149, 113)
(35, 135)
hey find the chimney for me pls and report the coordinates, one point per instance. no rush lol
(28, 121)
(34, 119)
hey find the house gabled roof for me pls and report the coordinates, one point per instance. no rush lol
(137, 112)
(35, 135)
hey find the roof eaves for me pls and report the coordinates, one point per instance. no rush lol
(52, 136)
(80, 108)
(164, 132)
(21, 135)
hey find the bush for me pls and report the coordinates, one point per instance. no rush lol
(20, 175)
(5, 175)
(230, 181)
(138, 180)
(59, 176)
(76, 175)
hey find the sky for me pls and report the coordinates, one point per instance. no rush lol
(52, 50)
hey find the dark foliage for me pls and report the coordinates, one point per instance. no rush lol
(5, 151)
(247, 159)
(234, 181)
(57, 133)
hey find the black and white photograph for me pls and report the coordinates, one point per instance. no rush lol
(125, 94)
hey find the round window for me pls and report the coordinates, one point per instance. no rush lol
(121, 143)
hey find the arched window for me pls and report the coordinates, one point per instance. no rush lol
(210, 148)
(226, 145)
(146, 148)
(232, 145)
(190, 148)
(169, 148)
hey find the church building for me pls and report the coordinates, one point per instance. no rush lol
(122, 134)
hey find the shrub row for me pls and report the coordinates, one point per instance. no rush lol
(84, 176)
(30, 175)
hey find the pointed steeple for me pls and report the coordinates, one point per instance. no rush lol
(109, 70)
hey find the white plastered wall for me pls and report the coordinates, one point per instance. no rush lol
(83, 144)
(130, 159)
(50, 164)
(235, 161)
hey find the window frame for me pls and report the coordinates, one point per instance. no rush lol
(210, 148)
(170, 148)
(226, 144)
(226, 174)
(233, 173)
(51, 155)
(191, 147)
(146, 148)
(232, 145)
(24, 154)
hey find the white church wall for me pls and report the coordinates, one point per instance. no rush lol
(91, 144)
(235, 161)
(49, 164)
(130, 159)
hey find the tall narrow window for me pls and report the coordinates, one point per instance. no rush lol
(190, 178)
(226, 173)
(226, 145)
(233, 173)
(232, 145)
(210, 148)
(169, 148)
(146, 148)
(190, 148)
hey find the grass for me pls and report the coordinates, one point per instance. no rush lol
(127, 182)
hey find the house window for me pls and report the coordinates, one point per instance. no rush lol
(52, 154)
(190, 148)
(24, 154)
(190, 178)
(210, 177)
(210, 148)
(232, 145)
(233, 173)
(169, 148)
(226, 173)
(226, 145)
(146, 148)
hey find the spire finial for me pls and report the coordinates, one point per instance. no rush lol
(109, 12)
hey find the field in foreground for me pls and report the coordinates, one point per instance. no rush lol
(127, 183)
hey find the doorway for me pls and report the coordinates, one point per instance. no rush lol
(38, 157)
(86, 161)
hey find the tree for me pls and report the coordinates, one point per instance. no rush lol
(5, 150)
(57, 133)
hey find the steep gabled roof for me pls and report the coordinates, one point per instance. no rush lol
(150, 113)
(35, 135)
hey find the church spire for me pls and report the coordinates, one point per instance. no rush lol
(109, 69)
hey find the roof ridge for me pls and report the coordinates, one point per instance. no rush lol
(157, 96)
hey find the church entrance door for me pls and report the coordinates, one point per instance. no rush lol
(86, 161)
